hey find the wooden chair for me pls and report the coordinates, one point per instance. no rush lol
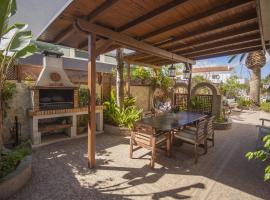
(147, 137)
(210, 132)
(195, 137)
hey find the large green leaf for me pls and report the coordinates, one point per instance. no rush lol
(7, 9)
(16, 38)
(27, 51)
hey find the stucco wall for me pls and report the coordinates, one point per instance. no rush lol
(142, 94)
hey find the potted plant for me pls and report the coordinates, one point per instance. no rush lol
(120, 121)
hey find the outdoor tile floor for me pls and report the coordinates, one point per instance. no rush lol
(60, 170)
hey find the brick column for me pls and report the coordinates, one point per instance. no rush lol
(36, 99)
(76, 98)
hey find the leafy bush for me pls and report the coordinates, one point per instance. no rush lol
(162, 80)
(196, 103)
(262, 155)
(11, 160)
(265, 106)
(124, 117)
(245, 103)
(140, 73)
(83, 96)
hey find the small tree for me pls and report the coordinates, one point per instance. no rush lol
(232, 87)
(15, 42)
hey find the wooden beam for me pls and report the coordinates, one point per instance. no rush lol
(189, 87)
(223, 49)
(140, 63)
(92, 101)
(223, 44)
(90, 17)
(130, 42)
(227, 34)
(224, 8)
(213, 46)
(151, 14)
(103, 46)
(258, 9)
(128, 79)
(143, 18)
(227, 53)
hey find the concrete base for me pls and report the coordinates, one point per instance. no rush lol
(10, 184)
(223, 126)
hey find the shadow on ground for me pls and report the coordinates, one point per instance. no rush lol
(60, 171)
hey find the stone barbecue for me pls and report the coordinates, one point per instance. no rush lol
(55, 101)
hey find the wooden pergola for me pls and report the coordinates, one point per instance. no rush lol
(160, 31)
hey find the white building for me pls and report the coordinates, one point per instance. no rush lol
(216, 74)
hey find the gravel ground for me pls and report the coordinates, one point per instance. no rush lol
(60, 170)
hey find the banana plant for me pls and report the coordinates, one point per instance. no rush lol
(15, 42)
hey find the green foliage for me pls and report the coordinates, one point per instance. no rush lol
(265, 106)
(10, 160)
(15, 40)
(196, 103)
(141, 73)
(162, 79)
(124, 117)
(83, 96)
(198, 79)
(262, 155)
(232, 87)
(82, 120)
(7, 94)
(244, 103)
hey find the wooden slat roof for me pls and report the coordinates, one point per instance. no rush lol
(190, 28)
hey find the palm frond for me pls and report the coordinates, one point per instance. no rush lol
(233, 57)
(242, 56)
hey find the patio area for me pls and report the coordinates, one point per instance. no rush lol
(60, 170)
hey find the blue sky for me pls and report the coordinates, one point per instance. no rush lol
(240, 68)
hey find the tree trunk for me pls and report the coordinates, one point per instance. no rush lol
(119, 78)
(1, 123)
(255, 83)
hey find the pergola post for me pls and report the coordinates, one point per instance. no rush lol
(189, 67)
(92, 100)
(128, 79)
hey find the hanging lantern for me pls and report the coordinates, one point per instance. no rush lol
(186, 73)
(172, 71)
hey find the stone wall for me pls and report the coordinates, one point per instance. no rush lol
(19, 106)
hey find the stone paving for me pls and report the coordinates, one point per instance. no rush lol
(60, 170)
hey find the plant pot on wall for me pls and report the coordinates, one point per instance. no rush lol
(116, 130)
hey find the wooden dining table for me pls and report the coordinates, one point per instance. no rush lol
(170, 121)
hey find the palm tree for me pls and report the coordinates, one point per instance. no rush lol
(254, 61)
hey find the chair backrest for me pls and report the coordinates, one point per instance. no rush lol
(209, 127)
(144, 129)
(200, 132)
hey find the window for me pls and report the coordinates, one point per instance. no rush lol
(215, 77)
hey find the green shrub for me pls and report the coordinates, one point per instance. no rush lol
(10, 160)
(124, 117)
(83, 96)
(245, 103)
(140, 73)
(265, 106)
(262, 155)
